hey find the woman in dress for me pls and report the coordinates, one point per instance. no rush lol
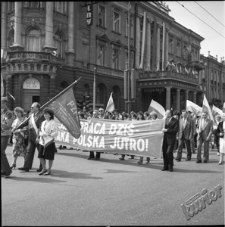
(19, 136)
(47, 149)
(221, 134)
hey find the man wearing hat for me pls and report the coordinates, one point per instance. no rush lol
(34, 124)
(6, 123)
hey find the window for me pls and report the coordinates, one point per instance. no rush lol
(11, 6)
(34, 40)
(115, 59)
(11, 38)
(170, 45)
(178, 49)
(101, 16)
(131, 27)
(33, 4)
(86, 90)
(58, 44)
(100, 55)
(60, 7)
(116, 21)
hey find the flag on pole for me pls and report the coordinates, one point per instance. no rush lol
(155, 106)
(206, 107)
(216, 110)
(12, 96)
(65, 109)
(194, 108)
(110, 105)
(2, 86)
(186, 70)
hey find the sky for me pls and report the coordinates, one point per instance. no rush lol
(212, 42)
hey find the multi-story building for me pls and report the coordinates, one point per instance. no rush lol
(49, 46)
(212, 79)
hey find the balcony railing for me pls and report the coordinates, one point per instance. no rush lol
(169, 75)
(29, 56)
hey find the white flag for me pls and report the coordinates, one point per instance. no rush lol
(216, 110)
(224, 107)
(155, 106)
(110, 106)
(194, 108)
(206, 107)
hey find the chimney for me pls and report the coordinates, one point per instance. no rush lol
(208, 53)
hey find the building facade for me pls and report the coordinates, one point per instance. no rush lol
(49, 45)
(212, 79)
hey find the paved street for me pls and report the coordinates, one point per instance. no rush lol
(110, 192)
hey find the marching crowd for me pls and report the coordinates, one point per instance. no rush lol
(39, 131)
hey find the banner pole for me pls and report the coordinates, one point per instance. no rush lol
(51, 100)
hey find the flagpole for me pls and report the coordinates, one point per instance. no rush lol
(94, 91)
(54, 98)
(128, 65)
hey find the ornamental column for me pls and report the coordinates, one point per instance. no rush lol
(9, 86)
(49, 44)
(149, 44)
(71, 52)
(138, 42)
(17, 45)
(168, 91)
(3, 26)
(158, 48)
(178, 100)
(154, 45)
(166, 47)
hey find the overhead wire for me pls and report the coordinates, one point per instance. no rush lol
(200, 19)
(209, 13)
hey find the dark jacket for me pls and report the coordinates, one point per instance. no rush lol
(173, 127)
(220, 129)
(188, 132)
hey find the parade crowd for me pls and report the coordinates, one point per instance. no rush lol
(181, 130)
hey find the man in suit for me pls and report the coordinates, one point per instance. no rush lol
(216, 137)
(6, 123)
(204, 130)
(193, 140)
(185, 135)
(170, 130)
(34, 124)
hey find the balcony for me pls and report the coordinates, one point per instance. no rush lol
(169, 75)
(35, 57)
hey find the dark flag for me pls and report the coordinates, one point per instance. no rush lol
(65, 109)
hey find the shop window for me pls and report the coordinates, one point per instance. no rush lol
(34, 40)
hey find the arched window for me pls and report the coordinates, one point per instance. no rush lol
(101, 94)
(34, 40)
(58, 43)
(11, 38)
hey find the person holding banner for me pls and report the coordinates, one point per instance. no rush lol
(34, 124)
(204, 130)
(185, 135)
(47, 149)
(6, 123)
(170, 130)
(221, 134)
